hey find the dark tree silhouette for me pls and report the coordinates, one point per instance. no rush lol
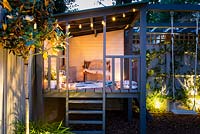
(119, 2)
(60, 6)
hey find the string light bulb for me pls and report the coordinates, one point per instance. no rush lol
(124, 15)
(113, 18)
(80, 26)
(91, 25)
(134, 9)
(35, 26)
(102, 22)
(68, 26)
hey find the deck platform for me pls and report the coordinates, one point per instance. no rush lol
(93, 93)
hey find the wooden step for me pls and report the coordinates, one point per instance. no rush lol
(85, 122)
(85, 111)
(88, 132)
(85, 101)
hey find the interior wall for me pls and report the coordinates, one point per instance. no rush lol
(90, 48)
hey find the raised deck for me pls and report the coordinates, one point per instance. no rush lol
(93, 93)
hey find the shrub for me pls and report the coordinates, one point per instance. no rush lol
(156, 102)
(39, 128)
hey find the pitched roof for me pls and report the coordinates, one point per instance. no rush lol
(80, 22)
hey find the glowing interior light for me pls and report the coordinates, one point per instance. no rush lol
(124, 15)
(91, 25)
(113, 19)
(80, 26)
(134, 9)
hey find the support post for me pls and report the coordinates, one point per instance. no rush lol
(104, 74)
(67, 78)
(26, 96)
(38, 94)
(128, 50)
(1, 89)
(142, 80)
(130, 114)
(5, 58)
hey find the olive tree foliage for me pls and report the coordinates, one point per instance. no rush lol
(26, 24)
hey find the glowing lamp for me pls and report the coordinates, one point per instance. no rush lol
(157, 104)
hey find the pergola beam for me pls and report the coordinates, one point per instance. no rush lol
(167, 25)
(174, 7)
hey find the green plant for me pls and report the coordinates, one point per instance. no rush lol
(39, 128)
(27, 24)
(156, 102)
(53, 75)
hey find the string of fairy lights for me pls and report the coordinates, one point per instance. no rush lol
(91, 24)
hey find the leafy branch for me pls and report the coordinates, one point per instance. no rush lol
(27, 25)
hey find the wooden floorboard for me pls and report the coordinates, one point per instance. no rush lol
(124, 90)
(98, 90)
(90, 90)
(92, 93)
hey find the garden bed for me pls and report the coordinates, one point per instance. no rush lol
(166, 123)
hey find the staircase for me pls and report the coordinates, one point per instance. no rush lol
(86, 114)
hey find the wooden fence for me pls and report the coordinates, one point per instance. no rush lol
(12, 95)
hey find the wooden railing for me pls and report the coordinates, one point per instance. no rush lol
(58, 65)
(113, 58)
(130, 58)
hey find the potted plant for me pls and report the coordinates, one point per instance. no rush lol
(53, 82)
